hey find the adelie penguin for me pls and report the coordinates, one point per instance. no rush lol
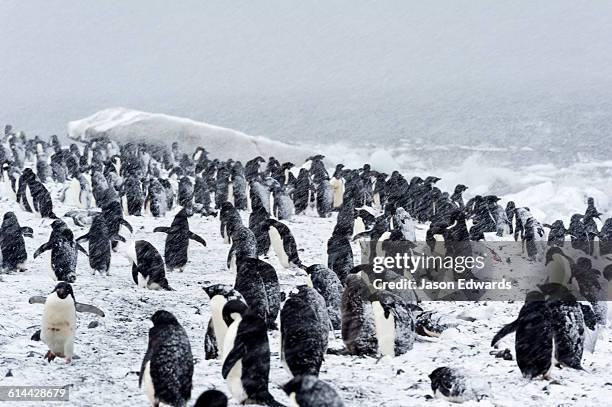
(230, 220)
(99, 245)
(148, 270)
(177, 240)
(246, 366)
(283, 243)
(59, 320)
(219, 294)
(63, 252)
(133, 197)
(258, 282)
(304, 326)
(113, 215)
(327, 283)
(167, 368)
(394, 322)
(12, 245)
(244, 245)
(456, 386)
(310, 391)
(534, 337)
(358, 324)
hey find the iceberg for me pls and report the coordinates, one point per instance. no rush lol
(127, 125)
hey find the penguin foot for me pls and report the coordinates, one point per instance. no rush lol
(50, 356)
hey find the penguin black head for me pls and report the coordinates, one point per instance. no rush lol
(556, 291)
(584, 263)
(551, 252)
(460, 188)
(184, 213)
(218, 289)
(231, 308)
(63, 290)
(212, 398)
(534, 296)
(10, 219)
(162, 317)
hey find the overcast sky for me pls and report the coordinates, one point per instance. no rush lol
(226, 62)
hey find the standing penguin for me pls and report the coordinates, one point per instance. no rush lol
(132, 189)
(283, 243)
(99, 245)
(304, 332)
(534, 337)
(156, 202)
(113, 215)
(148, 270)
(327, 283)
(257, 224)
(63, 252)
(185, 193)
(244, 245)
(219, 294)
(239, 186)
(358, 325)
(246, 368)
(325, 198)
(59, 320)
(282, 204)
(302, 191)
(309, 391)
(567, 324)
(230, 220)
(177, 240)
(12, 245)
(167, 368)
(258, 282)
(339, 252)
(337, 186)
(395, 324)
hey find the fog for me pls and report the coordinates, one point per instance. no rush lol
(473, 71)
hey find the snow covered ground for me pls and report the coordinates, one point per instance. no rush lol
(109, 355)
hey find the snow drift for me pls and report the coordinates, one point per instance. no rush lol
(125, 125)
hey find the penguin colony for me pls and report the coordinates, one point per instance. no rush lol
(254, 204)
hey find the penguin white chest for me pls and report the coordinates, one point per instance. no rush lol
(358, 226)
(234, 377)
(216, 308)
(276, 242)
(59, 325)
(385, 330)
(147, 384)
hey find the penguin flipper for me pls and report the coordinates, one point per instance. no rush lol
(161, 229)
(197, 238)
(127, 225)
(82, 238)
(362, 235)
(80, 307)
(37, 299)
(229, 256)
(507, 329)
(237, 353)
(81, 249)
(27, 231)
(41, 249)
(210, 343)
(117, 238)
